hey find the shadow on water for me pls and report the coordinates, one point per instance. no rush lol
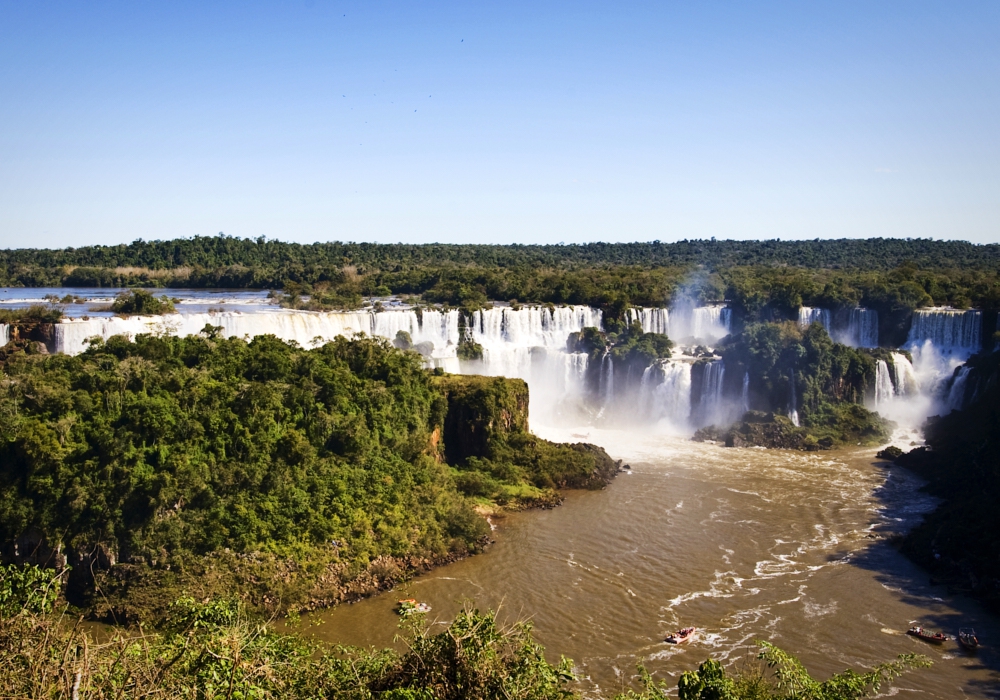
(902, 506)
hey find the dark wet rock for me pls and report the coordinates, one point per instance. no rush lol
(890, 453)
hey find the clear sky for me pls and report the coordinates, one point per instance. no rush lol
(498, 121)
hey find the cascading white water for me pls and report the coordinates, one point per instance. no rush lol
(950, 331)
(532, 327)
(745, 394)
(898, 393)
(905, 380)
(956, 392)
(710, 323)
(685, 322)
(809, 315)
(793, 409)
(652, 320)
(940, 340)
(4, 334)
(884, 390)
(607, 381)
(710, 404)
(665, 393)
(71, 334)
(861, 330)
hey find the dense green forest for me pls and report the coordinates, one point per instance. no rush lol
(224, 251)
(829, 381)
(296, 477)
(763, 280)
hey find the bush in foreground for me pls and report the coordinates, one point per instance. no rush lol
(216, 649)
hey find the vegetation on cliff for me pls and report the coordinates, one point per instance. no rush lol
(496, 458)
(631, 350)
(288, 476)
(139, 302)
(789, 368)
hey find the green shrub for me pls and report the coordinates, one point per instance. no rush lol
(139, 302)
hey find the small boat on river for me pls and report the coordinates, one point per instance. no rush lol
(967, 639)
(409, 606)
(681, 636)
(927, 636)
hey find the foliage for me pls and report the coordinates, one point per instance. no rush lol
(635, 347)
(140, 302)
(27, 588)
(218, 649)
(468, 349)
(762, 280)
(786, 678)
(36, 314)
(828, 381)
(165, 453)
(486, 436)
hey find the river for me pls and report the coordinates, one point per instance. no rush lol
(745, 544)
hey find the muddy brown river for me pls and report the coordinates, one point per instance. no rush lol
(745, 544)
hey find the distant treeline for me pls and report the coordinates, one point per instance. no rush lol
(762, 280)
(224, 251)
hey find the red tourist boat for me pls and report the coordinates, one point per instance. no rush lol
(681, 636)
(921, 633)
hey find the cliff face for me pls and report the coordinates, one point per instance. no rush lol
(486, 436)
(480, 411)
(960, 541)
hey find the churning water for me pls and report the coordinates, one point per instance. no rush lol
(745, 544)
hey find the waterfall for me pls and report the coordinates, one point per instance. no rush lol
(710, 405)
(862, 329)
(528, 343)
(793, 411)
(710, 323)
(956, 392)
(4, 334)
(665, 392)
(706, 324)
(652, 320)
(745, 395)
(884, 389)
(809, 315)
(904, 378)
(940, 340)
(492, 328)
(607, 382)
(950, 331)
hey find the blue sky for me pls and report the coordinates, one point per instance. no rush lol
(498, 122)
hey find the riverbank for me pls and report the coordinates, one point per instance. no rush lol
(742, 543)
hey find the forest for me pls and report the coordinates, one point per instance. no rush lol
(296, 478)
(762, 280)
